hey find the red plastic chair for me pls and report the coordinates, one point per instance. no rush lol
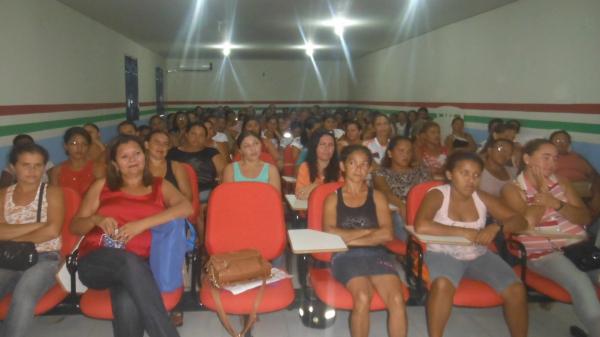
(326, 287)
(469, 293)
(247, 215)
(57, 293)
(97, 303)
(289, 164)
(193, 179)
(537, 282)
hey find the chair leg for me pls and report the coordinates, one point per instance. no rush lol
(245, 319)
(577, 332)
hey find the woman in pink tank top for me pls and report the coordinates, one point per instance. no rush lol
(459, 209)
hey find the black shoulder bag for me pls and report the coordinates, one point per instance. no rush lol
(21, 255)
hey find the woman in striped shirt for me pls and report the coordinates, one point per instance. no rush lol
(549, 203)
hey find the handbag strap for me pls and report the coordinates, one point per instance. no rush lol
(223, 315)
(38, 216)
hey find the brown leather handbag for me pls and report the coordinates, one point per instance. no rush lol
(237, 267)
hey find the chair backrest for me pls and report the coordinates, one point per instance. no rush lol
(415, 197)
(246, 215)
(315, 211)
(72, 200)
(193, 179)
(288, 161)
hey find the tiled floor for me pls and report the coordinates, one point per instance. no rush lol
(463, 323)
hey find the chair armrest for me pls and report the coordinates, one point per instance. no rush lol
(415, 250)
(72, 265)
(513, 245)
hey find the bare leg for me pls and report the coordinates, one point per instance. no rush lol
(515, 309)
(389, 287)
(439, 306)
(362, 292)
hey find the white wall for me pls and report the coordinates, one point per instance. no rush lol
(538, 51)
(53, 54)
(259, 80)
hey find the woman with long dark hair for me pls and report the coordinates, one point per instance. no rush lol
(321, 165)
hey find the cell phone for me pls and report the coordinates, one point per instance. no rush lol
(109, 242)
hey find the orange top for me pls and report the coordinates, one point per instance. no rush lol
(303, 177)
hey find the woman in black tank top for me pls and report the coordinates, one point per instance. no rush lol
(362, 218)
(157, 145)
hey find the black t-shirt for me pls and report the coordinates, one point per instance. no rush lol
(202, 163)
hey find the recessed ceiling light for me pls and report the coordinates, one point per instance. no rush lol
(309, 48)
(226, 51)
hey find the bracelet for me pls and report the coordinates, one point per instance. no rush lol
(562, 204)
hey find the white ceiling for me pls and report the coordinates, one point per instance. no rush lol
(271, 28)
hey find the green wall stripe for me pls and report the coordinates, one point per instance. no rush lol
(527, 123)
(8, 130)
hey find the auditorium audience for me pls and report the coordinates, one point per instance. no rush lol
(30, 211)
(459, 209)
(250, 167)
(352, 135)
(459, 138)
(8, 176)
(378, 144)
(360, 215)
(397, 174)
(77, 172)
(321, 165)
(119, 212)
(97, 147)
(496, 172)
(429, 150)
(578, 171)
(549, 202)
(127, 128)
(206, 161)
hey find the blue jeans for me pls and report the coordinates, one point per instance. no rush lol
(27, 287)
(136, 301)
(399, 227)
(579, 284)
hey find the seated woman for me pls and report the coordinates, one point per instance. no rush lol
(379, 143)
(119, 212)
(396, 176)
(179, 125)
(459, 139)
(459, 209)
(97, 148)
(578, 170)
(29, 211)
(77, 172)
(222, 146)
(429, 151)
(8, 176)
(496, 172)
(206, 161)
(360, 215)
(269, 153)
(250, 167)
(549, 201)
(321, 165)
(352, 135)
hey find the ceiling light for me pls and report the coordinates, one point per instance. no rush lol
(226, 51)
(309, 48)
(339, 25)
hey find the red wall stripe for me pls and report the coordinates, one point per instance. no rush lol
(532, 107)
(42, 108)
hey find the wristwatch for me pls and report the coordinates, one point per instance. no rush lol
(562, 204)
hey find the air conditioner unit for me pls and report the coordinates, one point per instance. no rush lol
(194, 68)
